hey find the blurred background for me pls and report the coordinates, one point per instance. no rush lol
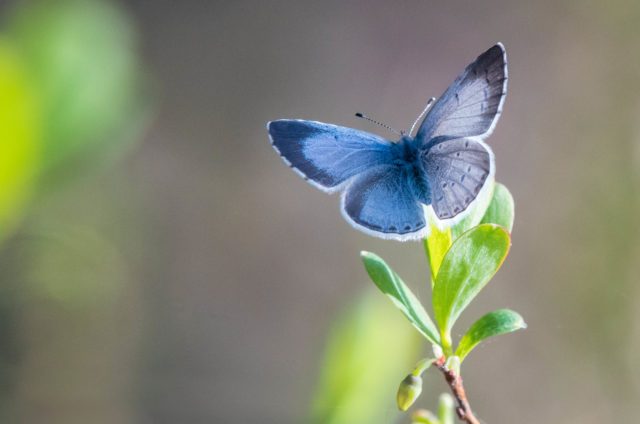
(160, 264)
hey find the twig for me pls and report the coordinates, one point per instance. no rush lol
(455, 383)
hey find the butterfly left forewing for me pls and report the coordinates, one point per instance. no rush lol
(327, 155)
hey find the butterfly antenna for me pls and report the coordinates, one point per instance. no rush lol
(360, 115)
(429, 103)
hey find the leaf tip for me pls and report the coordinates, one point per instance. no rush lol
(519, 323)
(523, 325)
(364, 254)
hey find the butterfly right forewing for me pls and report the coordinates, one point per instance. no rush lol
(455, 161)
(471, 106)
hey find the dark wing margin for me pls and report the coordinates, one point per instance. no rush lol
(456, 171)
(471, 106)
(327, 155)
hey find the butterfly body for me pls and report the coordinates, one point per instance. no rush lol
(408, 150)
(389, 189)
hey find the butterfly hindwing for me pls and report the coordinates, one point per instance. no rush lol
(472, 104)
(456, 170)
(382, 202)
(327, 155)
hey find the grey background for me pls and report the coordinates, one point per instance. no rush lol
(236, 267)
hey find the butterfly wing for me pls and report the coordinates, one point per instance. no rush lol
(378, 196)
(381, 198)
(327, 155)
(456, 170)
(381, 202)
(472, 104)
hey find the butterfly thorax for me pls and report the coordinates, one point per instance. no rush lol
(407, 157)
(406, 152)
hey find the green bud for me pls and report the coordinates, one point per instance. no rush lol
(446, 409)
(422, 416)
(437, 351)
(453, 363)
(408, 392)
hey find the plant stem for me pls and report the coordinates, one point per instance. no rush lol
(455, 383)
(446, 343)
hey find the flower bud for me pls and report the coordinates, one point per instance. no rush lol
(409, 390)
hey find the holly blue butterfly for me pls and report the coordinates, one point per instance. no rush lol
(389, 189)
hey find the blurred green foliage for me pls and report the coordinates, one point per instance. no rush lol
(19, 137)
(73, 266)
(445, 412)
(72, 96)
(82, 61)
(369, 346)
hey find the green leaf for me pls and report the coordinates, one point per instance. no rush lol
(436, 246)
(392, 285)
(497, 322)
(369, 347)
(467, 267)
(500, 210)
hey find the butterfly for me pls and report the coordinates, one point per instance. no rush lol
(390, 189)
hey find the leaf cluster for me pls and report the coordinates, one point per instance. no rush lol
(462, 260)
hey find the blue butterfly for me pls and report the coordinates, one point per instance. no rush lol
(390, 188)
